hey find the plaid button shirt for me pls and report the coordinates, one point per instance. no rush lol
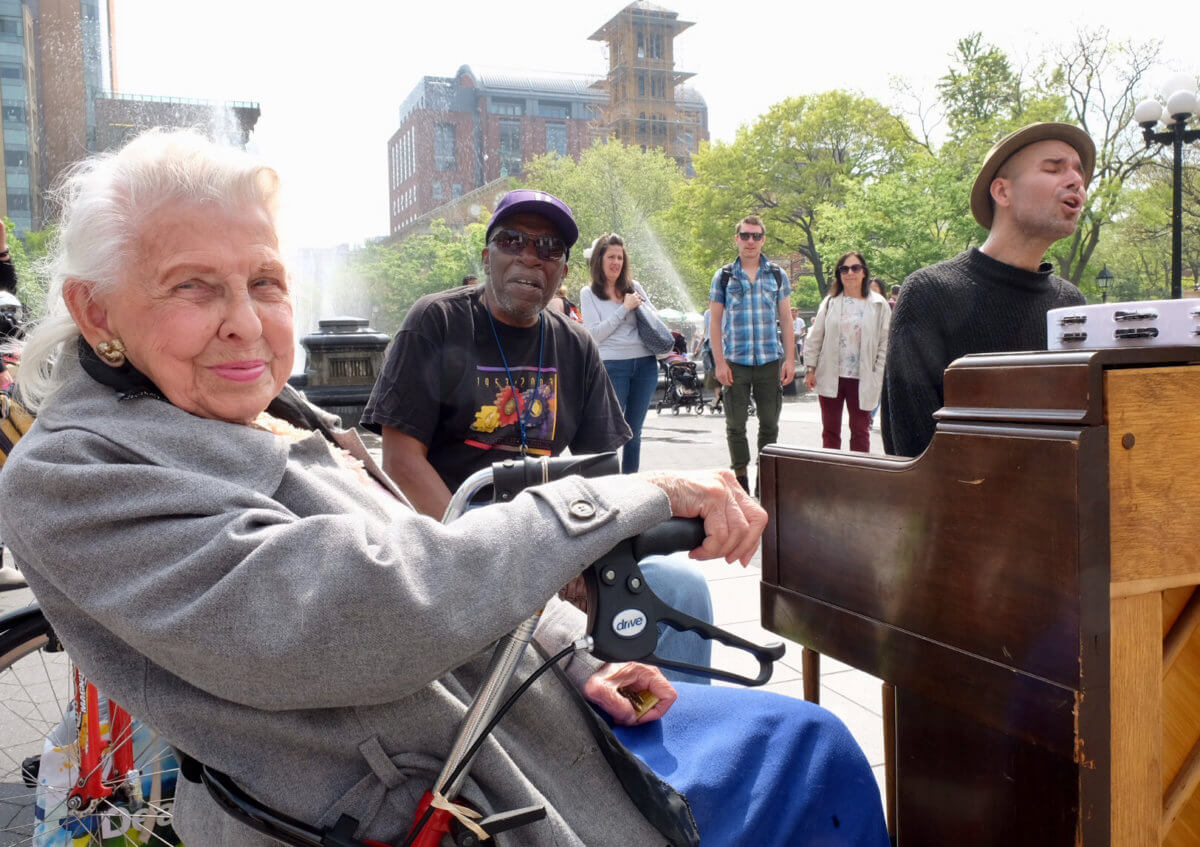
(748, 327)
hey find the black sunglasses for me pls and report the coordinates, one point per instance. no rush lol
(855, 268)
(549, 248)
(751, 236)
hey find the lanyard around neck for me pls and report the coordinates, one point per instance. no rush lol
(512, 386)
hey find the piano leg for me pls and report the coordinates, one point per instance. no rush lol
(810, 669)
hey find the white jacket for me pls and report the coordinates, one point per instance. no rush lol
(821, 347)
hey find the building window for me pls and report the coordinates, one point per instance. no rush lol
(11, 71)
(16, 158)
(553, 109)
(641, 54)
(556, 139)
(641, 85)
(13, 113)
(437, 191)
(18, 201)
(443, 147)
(500, 106)
(510, 147)
(456, 190)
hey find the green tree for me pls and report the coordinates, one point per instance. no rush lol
(27, 252)
(801, 157)
(618, 188)
(384, 280)
(1101, 81)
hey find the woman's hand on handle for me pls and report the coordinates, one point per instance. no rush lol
(632, 301)
(733, 521)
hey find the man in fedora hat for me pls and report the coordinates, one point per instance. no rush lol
(994, 298)
(479, 373)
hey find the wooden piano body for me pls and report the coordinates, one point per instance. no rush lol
(1027, 587)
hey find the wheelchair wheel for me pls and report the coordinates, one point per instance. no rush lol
(36, 687)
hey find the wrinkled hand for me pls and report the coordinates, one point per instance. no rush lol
(724, 374)
(632, 300)
(810, 380)
(733, 522)
(602, 688)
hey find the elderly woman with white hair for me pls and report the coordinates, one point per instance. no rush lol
(226, 562)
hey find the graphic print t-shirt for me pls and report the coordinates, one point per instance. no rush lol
(445, 383)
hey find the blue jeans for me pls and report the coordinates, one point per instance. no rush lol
(634, 380)
(677, 582)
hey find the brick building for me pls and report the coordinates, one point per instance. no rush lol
(460, 134)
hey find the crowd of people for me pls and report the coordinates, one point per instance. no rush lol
(230, 563)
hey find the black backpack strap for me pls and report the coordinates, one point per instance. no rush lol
(726, 273)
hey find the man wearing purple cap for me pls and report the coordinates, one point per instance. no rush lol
(479, 372)
(1028, 194)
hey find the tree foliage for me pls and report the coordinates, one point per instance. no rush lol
(803, 155)
(617, 188)
(384, 280)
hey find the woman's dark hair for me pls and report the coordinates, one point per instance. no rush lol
(596, 266)
(836, 288)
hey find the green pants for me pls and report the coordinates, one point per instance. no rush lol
(763, 381)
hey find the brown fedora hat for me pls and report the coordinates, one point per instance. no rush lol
(981, 198)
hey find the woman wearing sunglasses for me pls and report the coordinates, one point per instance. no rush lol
(609, 305)
(845, 351)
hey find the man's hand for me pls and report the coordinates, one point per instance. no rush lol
(3, 238)
(604, 689)
(788, 372)
(733, 521)
(810, 380)
(724, 373)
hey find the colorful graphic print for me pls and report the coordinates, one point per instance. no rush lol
(499, 407)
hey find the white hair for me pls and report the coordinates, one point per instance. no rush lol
(105, 201)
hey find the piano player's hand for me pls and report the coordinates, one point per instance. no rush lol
(733, 521)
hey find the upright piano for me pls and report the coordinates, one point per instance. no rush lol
(1028, 585)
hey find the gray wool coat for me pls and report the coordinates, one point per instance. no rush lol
(252, 600)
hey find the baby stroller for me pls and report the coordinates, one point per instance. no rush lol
(684, 390)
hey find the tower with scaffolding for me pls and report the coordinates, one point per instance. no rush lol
(648, 104)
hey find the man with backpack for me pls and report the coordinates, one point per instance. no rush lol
(749, 299)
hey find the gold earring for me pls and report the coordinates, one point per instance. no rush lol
(112, 352)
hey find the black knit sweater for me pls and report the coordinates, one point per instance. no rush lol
(969, 304)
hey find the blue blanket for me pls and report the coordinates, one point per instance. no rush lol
(763, 769)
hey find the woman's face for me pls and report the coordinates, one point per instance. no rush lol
(852, 271)
(613, 261)
(204, 309)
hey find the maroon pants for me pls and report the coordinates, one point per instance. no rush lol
(831, 418)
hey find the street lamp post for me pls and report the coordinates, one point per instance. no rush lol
(1103, 281)
(1182, 104)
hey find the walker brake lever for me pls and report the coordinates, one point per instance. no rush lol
(624, 613)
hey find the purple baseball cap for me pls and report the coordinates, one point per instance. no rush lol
(528, 201)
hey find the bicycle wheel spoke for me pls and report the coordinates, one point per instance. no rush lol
(36, 688)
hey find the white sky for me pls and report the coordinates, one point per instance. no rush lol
(330, 76)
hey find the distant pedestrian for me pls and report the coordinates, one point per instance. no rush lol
(845, 352)
(612, 306)
(470, 279)
(895, 294)
(748, 299)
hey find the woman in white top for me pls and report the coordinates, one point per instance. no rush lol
(845, 351)
(608, 306)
